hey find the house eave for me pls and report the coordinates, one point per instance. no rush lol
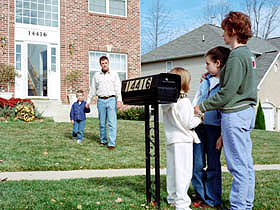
(266, 73)
(173, 58)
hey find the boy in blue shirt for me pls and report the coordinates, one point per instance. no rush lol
(78, 117)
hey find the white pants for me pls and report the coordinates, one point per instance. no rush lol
(179, 159)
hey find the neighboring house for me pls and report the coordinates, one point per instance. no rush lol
(188, 51)
(45, 39)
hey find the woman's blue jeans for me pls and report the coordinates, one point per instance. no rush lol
(78, 129)
(207, 182)
(107, 111)
(236, 128)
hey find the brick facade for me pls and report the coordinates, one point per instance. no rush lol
(91, 31)
(87, 31)
(7, 28)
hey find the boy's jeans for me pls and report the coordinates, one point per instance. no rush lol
(107, 110)
(207, 183)
(236, 128)
(78, 129)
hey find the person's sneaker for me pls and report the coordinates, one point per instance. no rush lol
(111, 147)
(79, 141)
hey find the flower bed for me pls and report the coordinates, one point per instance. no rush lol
(12, 102)
(17, 108)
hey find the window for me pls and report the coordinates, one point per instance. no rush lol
(37, 12)
(117, 63)
(18, 57)
(169, 65)
(111, 7)
(53, 59)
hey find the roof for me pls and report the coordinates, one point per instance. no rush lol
(197, 43)
(264, 63)
(275, 42)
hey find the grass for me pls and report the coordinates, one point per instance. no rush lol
(46, 145)
(102, 193)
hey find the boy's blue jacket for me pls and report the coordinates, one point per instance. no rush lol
(210, 117)
(78, 111)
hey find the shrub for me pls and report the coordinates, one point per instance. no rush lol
(7, 74)
(260, 121)
(25, 112)
(72, 79)
(131, 113)
(16, 108)
(7, 113)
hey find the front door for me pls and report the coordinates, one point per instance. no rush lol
(38, 67)
(37, 74)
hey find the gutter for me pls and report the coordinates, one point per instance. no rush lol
(183, 56)
(173, 58)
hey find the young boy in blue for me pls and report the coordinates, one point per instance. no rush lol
(78, 117)
(208, 183)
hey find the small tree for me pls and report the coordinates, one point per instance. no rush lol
(7, 74)
(260, 121)
(72, 78)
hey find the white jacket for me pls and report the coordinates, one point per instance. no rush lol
(179, 122)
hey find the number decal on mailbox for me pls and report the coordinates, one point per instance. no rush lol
(139, 84)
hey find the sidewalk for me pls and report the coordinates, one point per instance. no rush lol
(75, 174)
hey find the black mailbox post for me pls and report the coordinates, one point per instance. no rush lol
(152, 90)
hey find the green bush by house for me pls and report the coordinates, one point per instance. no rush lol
(260, 121)
(131, 113)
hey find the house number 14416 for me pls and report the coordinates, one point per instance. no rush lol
(37, 33)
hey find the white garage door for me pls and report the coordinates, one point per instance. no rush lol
(278, 118)
(268, 111)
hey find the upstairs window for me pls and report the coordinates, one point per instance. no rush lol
(110, 7)
(37, 12)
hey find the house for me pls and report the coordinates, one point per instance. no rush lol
(46, 39)
(188, 51)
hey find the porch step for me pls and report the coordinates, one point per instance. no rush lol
(57, 111)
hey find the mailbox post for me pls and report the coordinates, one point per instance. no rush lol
(152, 90)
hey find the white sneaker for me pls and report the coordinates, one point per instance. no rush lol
(79, 141)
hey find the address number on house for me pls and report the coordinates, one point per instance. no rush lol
(37, 33)
(139, 84)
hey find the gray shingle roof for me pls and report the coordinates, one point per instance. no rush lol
(197, 43)
(264, 62)
(275, 42)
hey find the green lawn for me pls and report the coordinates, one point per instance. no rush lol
(102, 193)
(47, 145)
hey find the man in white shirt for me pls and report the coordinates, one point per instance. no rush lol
(106, 86)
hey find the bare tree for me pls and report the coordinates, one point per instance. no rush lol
(155, 27)
(264, 15)
(214, 11)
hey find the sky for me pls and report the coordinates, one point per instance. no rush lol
(184, 15)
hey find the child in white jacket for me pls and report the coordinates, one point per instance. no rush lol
(179, 123)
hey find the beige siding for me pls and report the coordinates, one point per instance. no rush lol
(269, 89)
(196, 66)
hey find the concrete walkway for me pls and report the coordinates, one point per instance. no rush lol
(75, 174)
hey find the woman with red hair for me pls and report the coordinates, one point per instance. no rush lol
(235, 99)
